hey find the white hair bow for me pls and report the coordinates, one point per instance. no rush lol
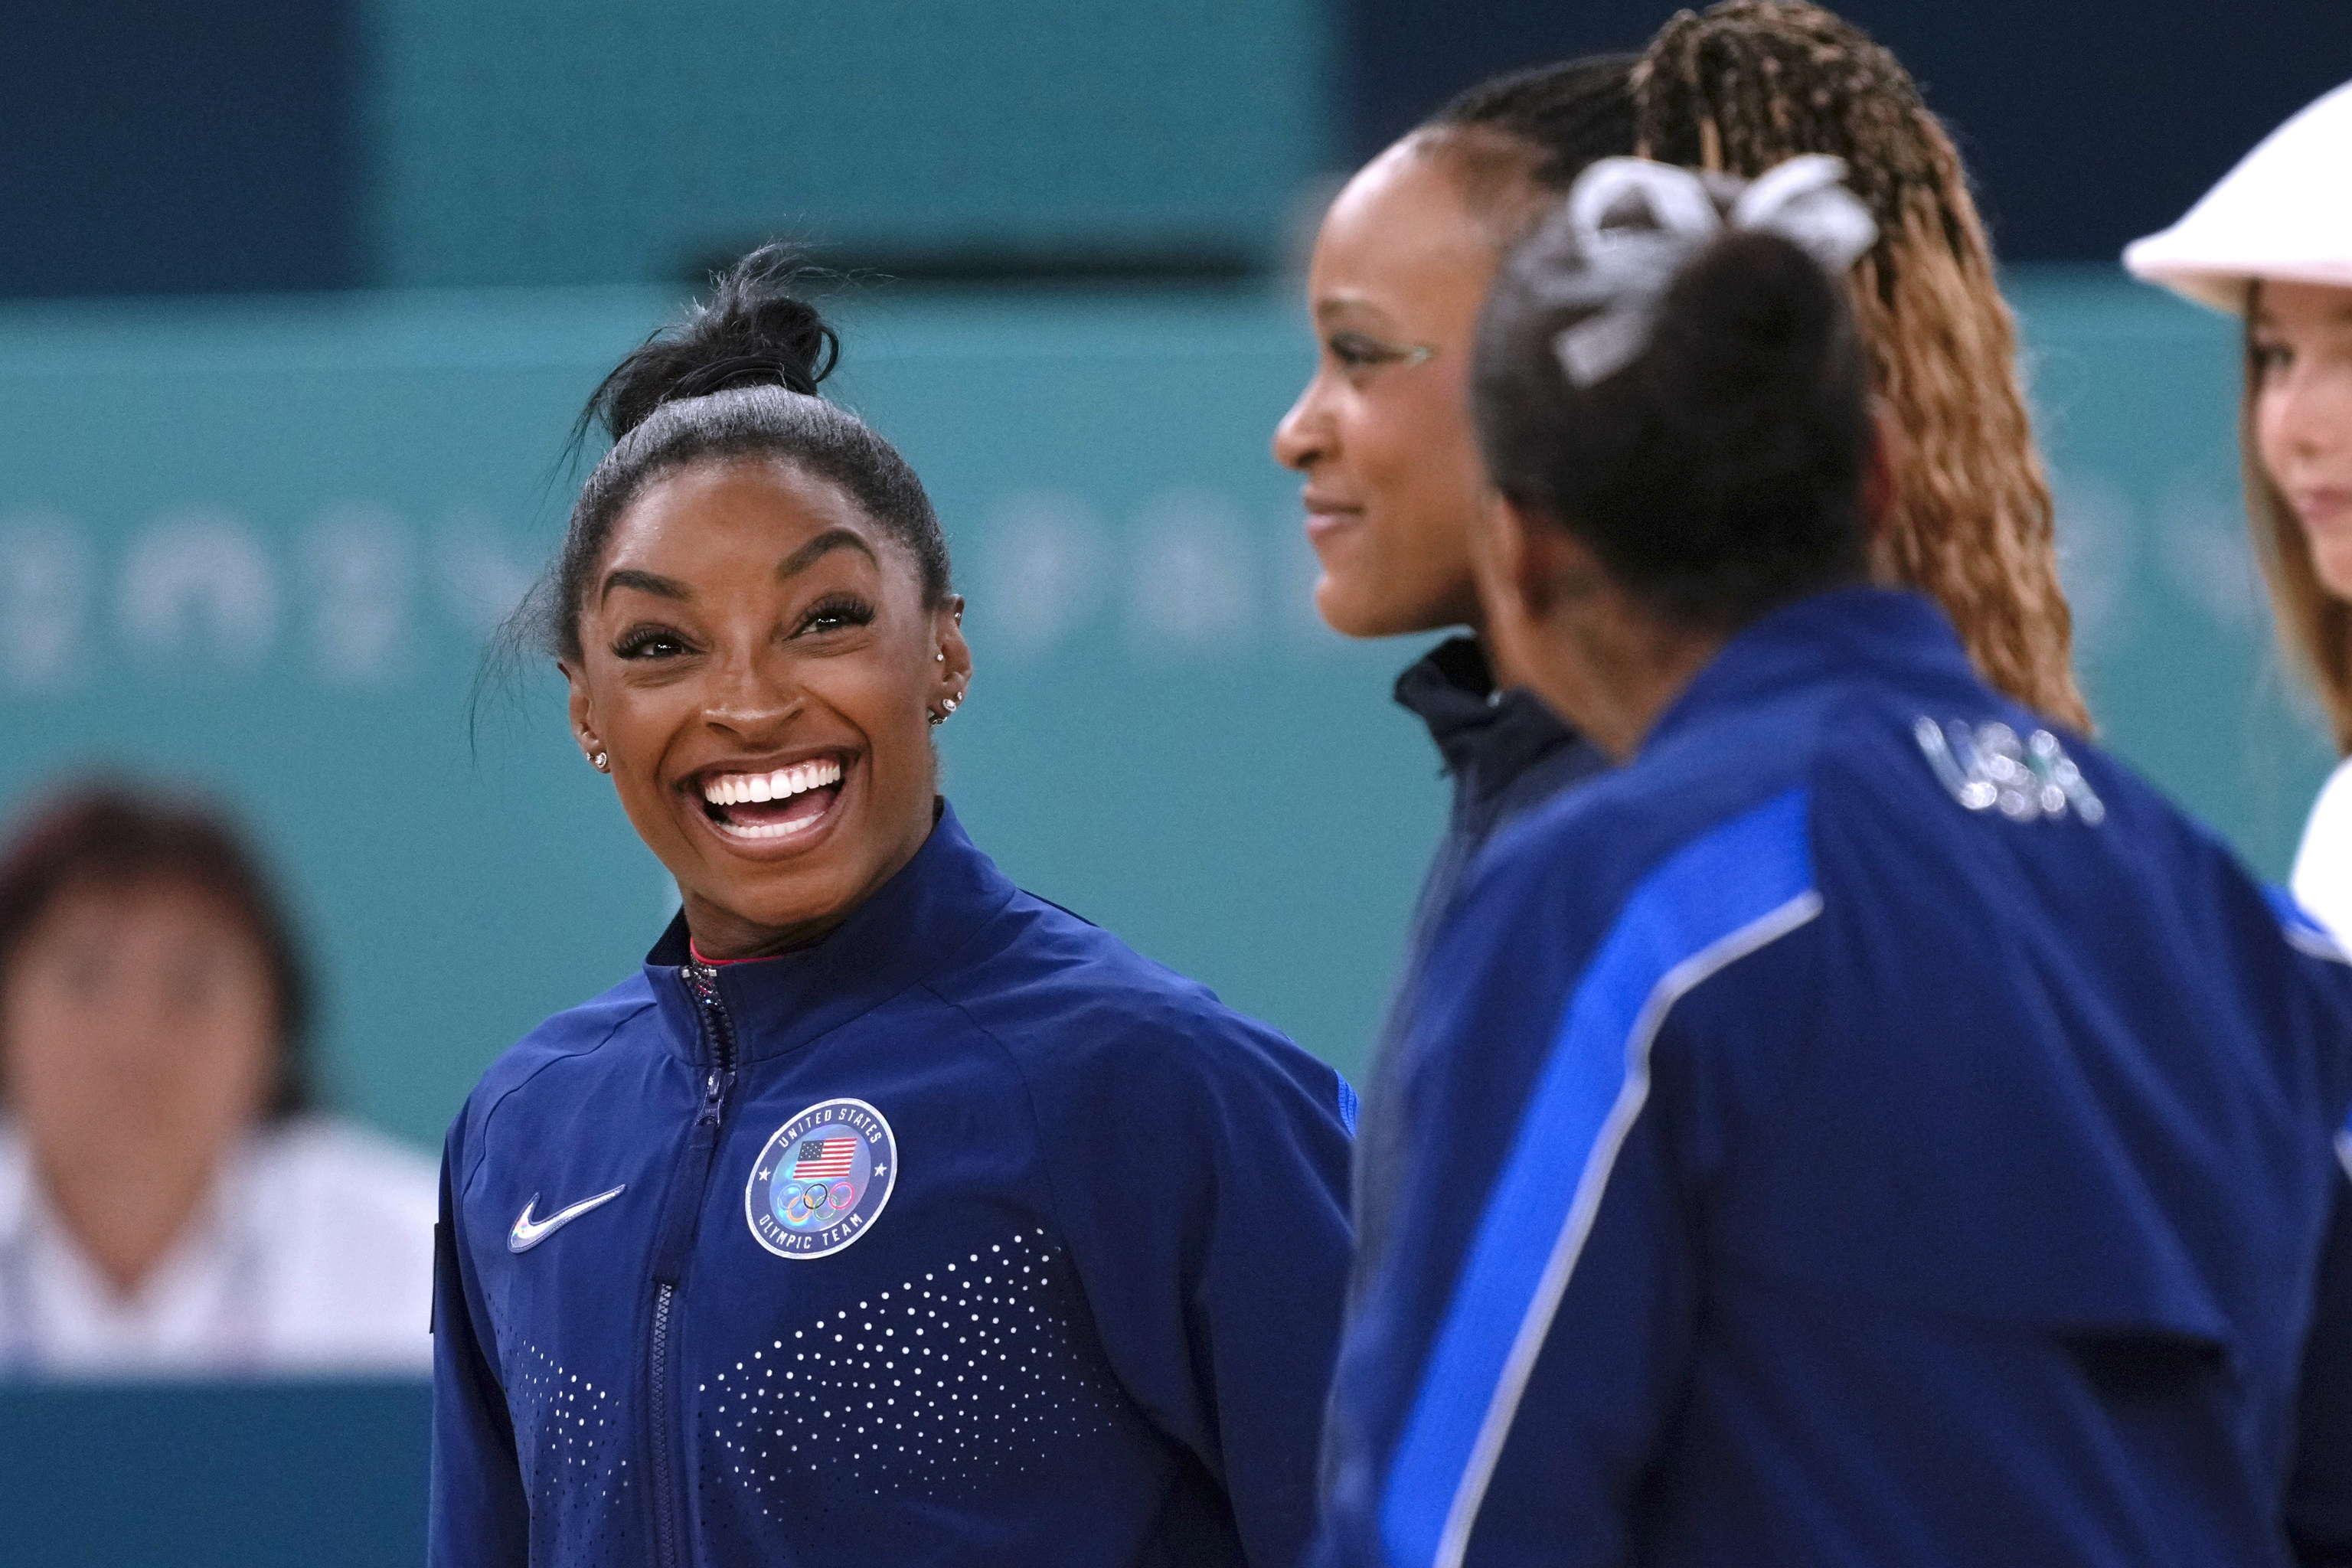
(1634, 222)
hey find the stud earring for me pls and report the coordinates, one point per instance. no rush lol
(598, 763)
(941, 656)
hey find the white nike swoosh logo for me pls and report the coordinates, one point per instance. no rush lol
(529, 1232)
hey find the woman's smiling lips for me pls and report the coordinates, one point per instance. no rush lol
(2323, 506)
(1328, 515)
(770, 805)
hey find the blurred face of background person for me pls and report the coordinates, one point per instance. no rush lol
(2300, 340)
(1401, 263)
(757, 659)
(137, 1026)
(144, 1017)
(1383, 433)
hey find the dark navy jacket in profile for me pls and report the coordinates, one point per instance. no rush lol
(1506, 753)
(1052, 1277)
(1847, 1134)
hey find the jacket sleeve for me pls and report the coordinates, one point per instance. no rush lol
(1203, 1184)
(1521, 1334)
(2319, 1498)
(477, 1517)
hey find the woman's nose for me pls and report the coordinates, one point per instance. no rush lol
(753, 696)
(2317, 418)
(1303, 436)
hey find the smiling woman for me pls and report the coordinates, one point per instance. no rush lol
(888, 1208)
(2262, 246)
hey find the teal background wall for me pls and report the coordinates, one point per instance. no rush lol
(258, 546)
(608, 142)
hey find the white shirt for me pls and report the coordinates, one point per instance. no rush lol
(311, 1257)
(2321, 879)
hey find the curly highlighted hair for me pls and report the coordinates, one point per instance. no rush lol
(1751, 83)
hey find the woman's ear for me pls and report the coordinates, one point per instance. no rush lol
(584, 714)
(951, 659)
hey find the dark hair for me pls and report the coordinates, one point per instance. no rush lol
(1718, 474)
(1522, 138)
(110, 834)
(735, 377)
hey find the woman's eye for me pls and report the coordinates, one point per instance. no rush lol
(649, 643)
(837, 615)
(2269, 359)
(1356, 352)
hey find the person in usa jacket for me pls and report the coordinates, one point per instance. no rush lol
(890, 1213)
(1868, 1127)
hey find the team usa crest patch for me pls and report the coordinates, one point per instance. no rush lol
(823, 1180)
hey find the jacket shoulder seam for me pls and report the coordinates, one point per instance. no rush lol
(477, 1154)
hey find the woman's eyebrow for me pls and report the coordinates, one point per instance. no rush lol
(644, 583)
(1348, 304)
(823, 544)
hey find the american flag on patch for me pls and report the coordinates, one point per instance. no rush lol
(823, 1159)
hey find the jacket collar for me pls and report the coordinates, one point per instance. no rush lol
(1842, 632)
(1487, 737)
(906, 931)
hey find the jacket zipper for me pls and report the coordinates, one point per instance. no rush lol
(674, 1244)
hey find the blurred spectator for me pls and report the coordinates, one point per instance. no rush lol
(171, 1200)
(2264, 244)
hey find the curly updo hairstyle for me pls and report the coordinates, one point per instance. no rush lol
(1718, 474)
(1749, 83)
(736, 377)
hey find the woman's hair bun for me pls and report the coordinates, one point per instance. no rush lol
(752, 331)
(1718, 470)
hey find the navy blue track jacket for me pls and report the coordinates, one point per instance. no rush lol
(964, 1237)
(1506, 753)
(1862, 1129)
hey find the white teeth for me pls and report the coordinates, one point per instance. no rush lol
(769, 829)
(735, 789)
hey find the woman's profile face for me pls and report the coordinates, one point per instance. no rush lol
(2301, 339)
(138, 1015)
(1383, 433)
(756, 658)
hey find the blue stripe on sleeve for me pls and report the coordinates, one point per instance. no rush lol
(1347, 1106)
(1718, 897)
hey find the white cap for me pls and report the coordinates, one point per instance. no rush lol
(2284, 212)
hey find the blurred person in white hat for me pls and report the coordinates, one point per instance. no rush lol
(2272, 244)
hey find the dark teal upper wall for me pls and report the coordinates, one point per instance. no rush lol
(235, 146)
(612, 142)
(228, 146)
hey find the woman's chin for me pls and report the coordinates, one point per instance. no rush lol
(2331, 560)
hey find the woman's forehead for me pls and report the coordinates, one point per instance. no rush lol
(758, 503)
(2282, 304)
(1401, 225)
